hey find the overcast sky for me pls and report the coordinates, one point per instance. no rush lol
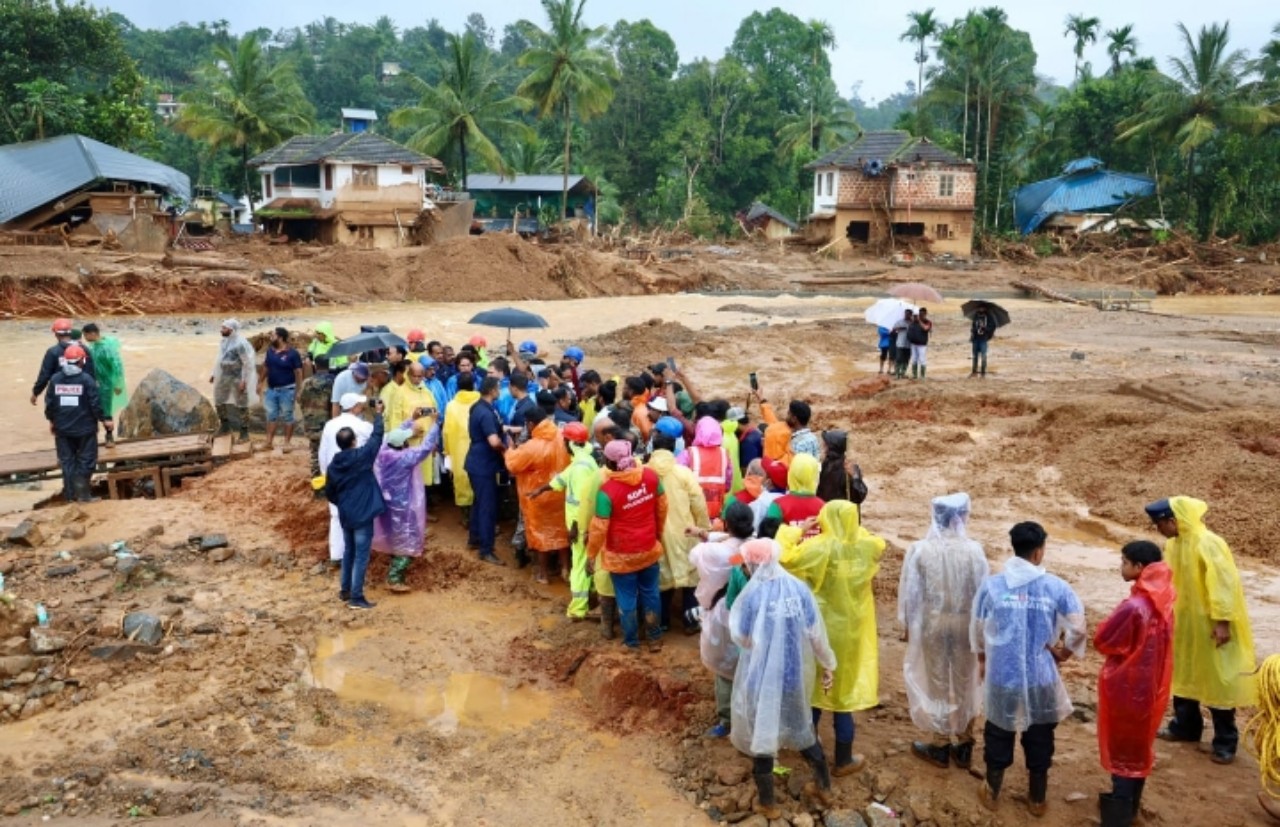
(868, 50)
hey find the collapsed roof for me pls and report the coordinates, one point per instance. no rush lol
(1084, 186)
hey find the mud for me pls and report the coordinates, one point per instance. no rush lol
(472, 700)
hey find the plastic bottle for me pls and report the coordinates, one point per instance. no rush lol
(42, 615)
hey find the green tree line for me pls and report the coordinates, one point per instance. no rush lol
(669, 142)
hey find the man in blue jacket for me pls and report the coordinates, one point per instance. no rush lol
(351, 485)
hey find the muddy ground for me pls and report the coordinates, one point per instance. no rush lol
(473, 701)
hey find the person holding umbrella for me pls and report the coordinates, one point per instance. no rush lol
(980, 334)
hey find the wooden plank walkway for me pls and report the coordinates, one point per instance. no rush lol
(158, 451)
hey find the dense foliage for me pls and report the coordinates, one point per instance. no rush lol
(669, 142)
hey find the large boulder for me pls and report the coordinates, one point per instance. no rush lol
(162, 406)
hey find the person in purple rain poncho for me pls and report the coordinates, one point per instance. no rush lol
(401, 529)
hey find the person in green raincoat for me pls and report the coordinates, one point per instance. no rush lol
(580, 482)
(1213, 657)
(108, 369)
(838, 565)
(324, 339)
(730, 426)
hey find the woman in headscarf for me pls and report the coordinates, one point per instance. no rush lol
(838, 566)
(835, 482)
(234, 379)
(780, 634)
(941, 576)
(801, 501)
(710, 463)
(401, 529)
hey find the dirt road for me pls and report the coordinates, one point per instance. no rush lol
(472, 701)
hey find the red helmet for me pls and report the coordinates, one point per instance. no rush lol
(478, 341)
(62, 326)
(576, 432)
(416, 335)
(74, 353)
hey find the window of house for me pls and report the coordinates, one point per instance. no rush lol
(817, 184)
(946, 186)
(942, 231)
(831, 183)
(307, 175)
(266, 186)
(406, 170)
(328, 176)
(364, 177)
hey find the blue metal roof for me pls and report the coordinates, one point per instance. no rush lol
(1083, 187)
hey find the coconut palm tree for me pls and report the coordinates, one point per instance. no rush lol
(570, 73)
(830, 123)
(821, 37)
(466, 111)
(924, 27)
(1121, 43)
(243, 102)
(1085, 31)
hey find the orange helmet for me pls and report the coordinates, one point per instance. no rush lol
(576, 432)
(415, 335)
(62, 326)
(478, 341)
(75, 353)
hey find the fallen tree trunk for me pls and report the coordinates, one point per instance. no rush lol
(204, 263)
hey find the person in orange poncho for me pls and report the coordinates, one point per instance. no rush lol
(534, 464)
(1133, 689)
(777, 433)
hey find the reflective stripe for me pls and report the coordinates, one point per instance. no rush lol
(695, 455)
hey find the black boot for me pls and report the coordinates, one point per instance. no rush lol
(689, 602)
(767, 805)
(1137, 798)
(846, 762)
(652, 630)
(1038, 795)
(1115, 811)
(666, 598)
(962, 755)
(83, 491)
(224, 419)
(242, 414)
(1226, 737)
(940, 757)
(608, 617)
(989, 793)
(819, 789)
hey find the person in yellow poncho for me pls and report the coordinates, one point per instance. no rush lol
(730, 444)
(1213, 655)
(457, 438)
(686, 508)
(838, 566)
(413, 402)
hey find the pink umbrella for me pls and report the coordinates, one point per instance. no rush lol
(915, 291)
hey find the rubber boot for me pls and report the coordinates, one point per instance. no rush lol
(940, 757)
(688, 601)
(83, 491)
(608, 617)
(767, 804)
(962, 755)
(1115, 811)
(846, 762)
(1037, 797)
(989, 793)
(652, 630)
(923, 370)
(1137, 799)
(666, 598)
(819, 789)
(224, 419)
(242, 414)
(915, 371)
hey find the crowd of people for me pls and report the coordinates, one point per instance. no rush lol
(660, 507)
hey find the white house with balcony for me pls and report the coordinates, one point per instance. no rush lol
(350, 188)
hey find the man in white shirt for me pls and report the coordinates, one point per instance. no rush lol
(352, 405)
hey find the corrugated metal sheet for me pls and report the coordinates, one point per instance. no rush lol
(360, 114)
(36, 173)
(1088, 189)
(487, 182)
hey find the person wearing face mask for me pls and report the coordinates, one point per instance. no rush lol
(73, 406)
(234, 379)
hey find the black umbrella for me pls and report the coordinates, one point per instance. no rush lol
(510, 318)
(998, 314)
(366, 342)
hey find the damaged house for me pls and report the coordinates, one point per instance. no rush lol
(75, 189)
(889, 188)
(355, 188)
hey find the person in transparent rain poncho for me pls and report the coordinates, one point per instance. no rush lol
(1025, 622)
(941, 575)
(779, 631)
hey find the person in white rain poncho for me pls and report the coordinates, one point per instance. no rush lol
(940, 577)
(776, 623)
(1025, 622)
(714, 560)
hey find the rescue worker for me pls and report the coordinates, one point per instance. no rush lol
(800, 502)
(686, 509)
(313, 402)
(534, 464)
(631, 509)
(108, 369)
(73, 407)
(710, 462)
(486, 444)
(941, 575)
(53, 357)
(838, 565)
(1133, 689)
(234, 379)
(580, 482)
(1213, 658)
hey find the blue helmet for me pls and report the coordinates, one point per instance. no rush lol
(528, 346)
(575, 353)
(669, 426)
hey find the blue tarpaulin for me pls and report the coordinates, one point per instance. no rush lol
(1084, 186)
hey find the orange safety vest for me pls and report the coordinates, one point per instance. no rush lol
(709, 469)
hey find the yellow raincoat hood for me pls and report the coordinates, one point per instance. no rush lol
(802, 476)
(686, 508)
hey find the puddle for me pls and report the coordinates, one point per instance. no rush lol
(470, 699)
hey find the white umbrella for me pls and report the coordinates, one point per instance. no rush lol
(887, 312)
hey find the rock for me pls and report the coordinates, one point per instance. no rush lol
(161, 405)
(15, 665)
(44, 642)
(755, 821)
(13, 646)
(205, 628)
(1072, 798)
(921, 806)
(75, 531)
(843, 818)
(221, 555)
(127, 650)
(125, 565)
(31, 707)
(884, 783)
(868, 387)
(93, 551)
(61, 571)
(93, 776)
(25, 679)
(795, 785)
(26, 533)
(802, 820)
(143, 628)
(731, 775)
(177, 598)
(209, 542)
(155, 530)
(1078, 355)
(879, 815)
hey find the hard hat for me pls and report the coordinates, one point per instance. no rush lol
(478, 341)
(670, 426)
(575, 353)
(75, 353)
(62, 326)
(576, 432)
(416, 335)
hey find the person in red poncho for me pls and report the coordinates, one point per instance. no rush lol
(1133, 688)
